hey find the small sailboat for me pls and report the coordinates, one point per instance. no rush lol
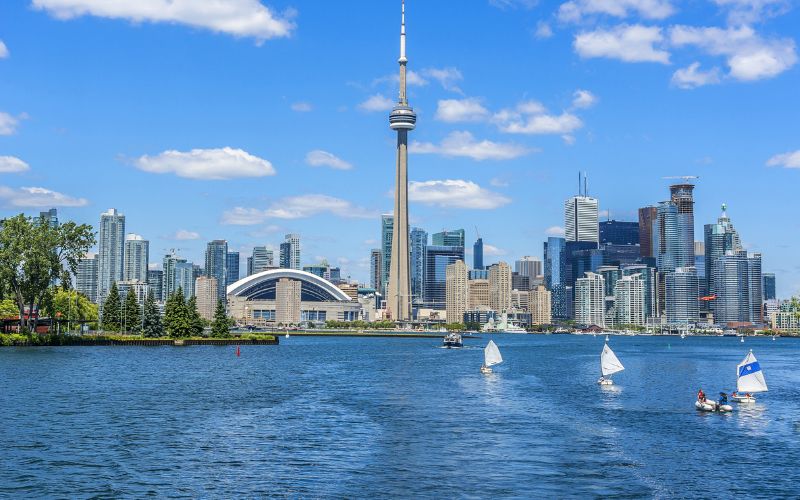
(741, 339)
(287, 335)
(749, 379)
(491, 357)
(609, 365)
(606, 337)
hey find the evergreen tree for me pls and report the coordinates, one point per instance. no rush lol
(196, 322)
(112, 310)
(151, 325)
(176, 319)
(132, 313)
(221, 326)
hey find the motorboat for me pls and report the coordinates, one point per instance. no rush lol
(452, 340)
(491, 357)
(710, 405)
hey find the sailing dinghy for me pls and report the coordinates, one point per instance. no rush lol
(491, 357)
(749, 379)
(609, 365)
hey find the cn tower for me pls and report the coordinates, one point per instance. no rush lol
(402, 120)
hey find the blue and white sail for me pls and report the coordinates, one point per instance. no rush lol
(749, 377)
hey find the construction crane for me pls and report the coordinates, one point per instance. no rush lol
(684, 178)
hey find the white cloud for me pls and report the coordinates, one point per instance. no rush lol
(629, 43)
(691, 76)
(37, 197)
(491, 250)
(575, 10)
(749, 56)
(531, 117)
(568, 139)
(12, 164)
(243, 18)
(787, 160)
(455, 194)
(555, 231)
(461, 110)
(319, 158)
(498, 182)
(543, 30)
(447, 77)
(8, 124)
(377, 102)
(3, 50)
(512, 4)
(463, 144)
(413, 79)
(302, 107)
(207, 164)
(752, 11)
(184, 235)
(583, 99)
(296, 207)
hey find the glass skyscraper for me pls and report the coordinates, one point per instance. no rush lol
(86, 277)
(738, 287)
(616, 232)
(581, 219)
(477, 254)
(232, 268)
(387, 229)
(419, 240)
(454, 238)
(136, 258)
(217, 265)
(437, 258)
(290, 252)
(110, 255)
(769, 287)
(682, 302)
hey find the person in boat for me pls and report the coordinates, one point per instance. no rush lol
(723, 398)
(701, 396)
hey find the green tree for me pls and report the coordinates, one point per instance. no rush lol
(34, 255)
(177, 320)
(132, 314)
(151, 323)
(221, 326)
(72, 307)
(196, 322)
(8, 309)
(112, 310)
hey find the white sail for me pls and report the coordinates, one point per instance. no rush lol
(609, 363)
(749, 377)
(491, 354)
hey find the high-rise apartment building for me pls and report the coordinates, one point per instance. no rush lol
(681, 195)
(581, 219)
(478, 293)
(86, 276)
(136, 258)
(649, 278)
(457, 292)
(232, 268)
(477, 254)
(590, 300)
(682, 289)
(419, 240)
(647, 219)
(261, 260)
(539, 306)
(500, 287)
(720, 239)
(170, 283)
(216, 265)
(529, 266)
(375, 269)
(185, 276)
(205, 289)
(629, 300)
(290, 252)
(155, 280)
(738, 288)
(110, 256)
(287, 301)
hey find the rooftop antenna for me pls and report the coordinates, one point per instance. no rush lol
(477, 232)
(579, 183)
(585, 184)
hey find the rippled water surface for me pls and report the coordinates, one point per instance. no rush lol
(336, 417)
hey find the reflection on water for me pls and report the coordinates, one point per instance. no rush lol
(325, 417)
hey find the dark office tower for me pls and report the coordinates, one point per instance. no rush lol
(419, 240)
(682, 197)
(477, 254)
(614, 232)
(437, 258)
(769, 287)
(216, 264)
(232, 269)
(647, 216)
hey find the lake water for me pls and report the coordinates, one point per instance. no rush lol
(377, 417)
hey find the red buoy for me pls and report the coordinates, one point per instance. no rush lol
(238, 353)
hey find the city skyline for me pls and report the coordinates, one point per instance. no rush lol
(97, 147)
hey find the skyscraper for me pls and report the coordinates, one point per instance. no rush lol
(419, 240)
(581, 219)
(590, 300)
(615, 232)
(110, 251)
(769, 286)
(647, 217)
(500, 287)
(719, 238)
(437, 258)
(86, 276)
(540, 306)
(50, 216)
(155, 280)
(232, 268)
(629, 300)
(261, 260)
(136, 259)
(738, 287)
(216, 265)
(185, 277)
(402, 119)
(456, 295)
(375, 266)
(682, 197)
(529, 266)
(450, 238)
(170, 283)
(554, 262)
(205, 290)
(477, 254)
(665, 237)
(290, 252)
(681, 301)
(387, 230)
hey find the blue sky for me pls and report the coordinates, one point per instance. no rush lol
(246, 120)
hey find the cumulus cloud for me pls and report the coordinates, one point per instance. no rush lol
(749, 56)
(575, 10)
(512, 4)
(296, 207)
(8, 124)
(461, 110)
(786, 160)
(377, 102)
(464, 144)
(628, 43)
(302, 107)
(691, 76)
(413, 79)
(319, 158)
(531, 117)
(184, 235)
(206, 164)
(3, 50)
(583, 99)
(491, 250)
(543, 30)
(455, 193)
(447, 77)
(752, 11)
(12, 164)
(555, 231)
(37, 197)
(241, 18)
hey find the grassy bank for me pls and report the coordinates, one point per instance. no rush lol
(15, 339)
